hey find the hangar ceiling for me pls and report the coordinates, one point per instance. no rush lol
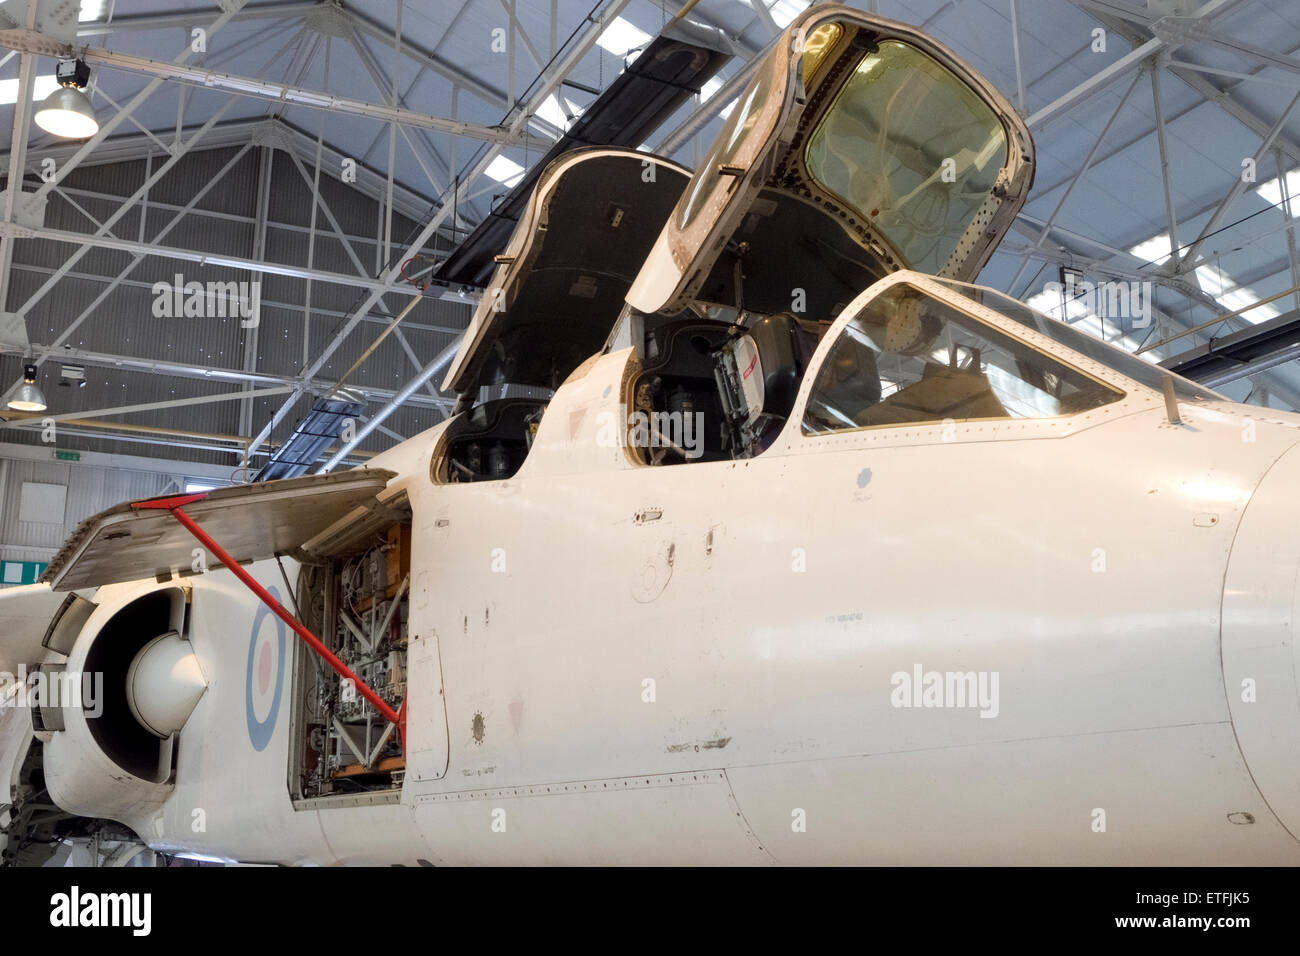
(328, 149)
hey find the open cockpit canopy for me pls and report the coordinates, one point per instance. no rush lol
(861, 147)
(560, 284)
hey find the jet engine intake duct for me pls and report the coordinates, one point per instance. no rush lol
(120, 734)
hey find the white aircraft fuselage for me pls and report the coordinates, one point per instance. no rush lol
(949, 582)
(1121, 576)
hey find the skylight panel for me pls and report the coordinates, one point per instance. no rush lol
(784, 11)
(505, 171)
(1155, 250)
(92, 10)
(41, 88)
(554, 113)
(1271, 192)
(1212, 280)
(621, 38)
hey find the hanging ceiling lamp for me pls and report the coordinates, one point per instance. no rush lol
(67, 111)
(27, 397)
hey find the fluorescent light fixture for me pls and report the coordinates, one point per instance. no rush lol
(621, 37)
(27, 397)
(505, 171)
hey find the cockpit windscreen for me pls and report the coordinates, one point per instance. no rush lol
(912, 149)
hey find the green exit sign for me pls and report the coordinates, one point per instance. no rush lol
(68, 455)
(20, 572)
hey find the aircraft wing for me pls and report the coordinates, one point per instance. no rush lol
(252, 522)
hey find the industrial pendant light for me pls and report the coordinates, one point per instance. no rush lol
(67, 111)
(27, 397)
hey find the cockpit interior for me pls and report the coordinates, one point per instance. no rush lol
(489, 442)
(859, 155)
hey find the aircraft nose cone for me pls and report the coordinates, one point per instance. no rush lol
(164, 684)
(1261, 656)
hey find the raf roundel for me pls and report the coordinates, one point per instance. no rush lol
(264, 680)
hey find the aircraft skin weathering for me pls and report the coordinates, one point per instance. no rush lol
(941, 580)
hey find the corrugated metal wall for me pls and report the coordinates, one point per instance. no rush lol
(124, 324)
(91, 489)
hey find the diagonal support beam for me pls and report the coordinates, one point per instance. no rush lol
(169, 403)
(29, 41)
(1242, 114)
(440, 362)
(1162, 142)
(193, 18)
(545, 85)
(209, 373)
(377, 286)
(1083, 171)
(1240, 186)
(1130, 61)
(346, 243)
(231, 7)
(101, 233)
(130, 267)
(430, 60)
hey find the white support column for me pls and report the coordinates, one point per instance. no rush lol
(1015, 53)
(17, 155)
(1287, 199)
(1165, 174)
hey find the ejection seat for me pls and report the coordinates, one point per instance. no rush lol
(759, 373)
(942, 392)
